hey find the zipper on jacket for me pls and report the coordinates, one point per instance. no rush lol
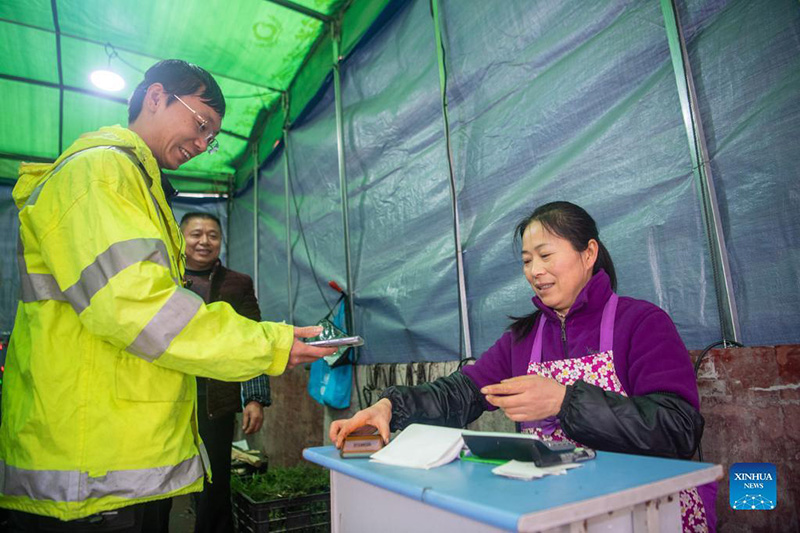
(564, 336)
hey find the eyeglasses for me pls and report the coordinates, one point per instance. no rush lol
(212, 144)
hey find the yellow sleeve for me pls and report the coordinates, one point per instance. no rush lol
(100, 237)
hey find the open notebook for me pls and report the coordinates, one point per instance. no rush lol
(422, 446)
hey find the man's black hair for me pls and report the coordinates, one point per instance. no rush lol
(178, 78)
(199, 214)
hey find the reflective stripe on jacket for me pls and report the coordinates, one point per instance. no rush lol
(99, 395)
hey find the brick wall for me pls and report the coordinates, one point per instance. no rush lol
(751, 402)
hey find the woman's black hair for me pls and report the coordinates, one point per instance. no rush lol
(570, 222)
(178, 78)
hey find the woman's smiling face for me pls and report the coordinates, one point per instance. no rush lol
(555, 270)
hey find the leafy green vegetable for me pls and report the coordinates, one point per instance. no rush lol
(287, 482)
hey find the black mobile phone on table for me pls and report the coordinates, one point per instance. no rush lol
(518, 447)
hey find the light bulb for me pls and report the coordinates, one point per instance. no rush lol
(107, 80)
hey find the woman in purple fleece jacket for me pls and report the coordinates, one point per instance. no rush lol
(603, 371)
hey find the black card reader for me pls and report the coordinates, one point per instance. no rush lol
(520, 447)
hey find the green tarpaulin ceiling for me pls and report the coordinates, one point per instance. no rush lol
(264, 54)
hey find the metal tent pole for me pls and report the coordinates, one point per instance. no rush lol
(462, 289)
(59, 63)
(228, 211)
(336, 37)
(701, 166)
(303, 10)
(286, 192)
(255, 218)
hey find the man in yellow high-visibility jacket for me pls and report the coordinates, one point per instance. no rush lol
(99, 397)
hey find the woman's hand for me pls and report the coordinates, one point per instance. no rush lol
(526, 398)
(364, 422)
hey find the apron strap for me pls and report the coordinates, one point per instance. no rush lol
(536, 351)
(607, 324)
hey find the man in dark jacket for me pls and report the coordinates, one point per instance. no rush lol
(219, 401)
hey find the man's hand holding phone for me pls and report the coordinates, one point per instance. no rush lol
(304, 353)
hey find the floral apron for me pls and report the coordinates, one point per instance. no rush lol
(598, 369)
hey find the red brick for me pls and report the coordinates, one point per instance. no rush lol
(746, 367)
(789, 395)
(712, 388)
(788, 358)
(791, 420)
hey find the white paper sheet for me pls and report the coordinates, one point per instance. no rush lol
(422, 446)
(527, 471)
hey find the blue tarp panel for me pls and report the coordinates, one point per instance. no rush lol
(316, 229)
(9, 275)
(403, 249)
(574, 101)
(240, 233)
(272, 277)
(745, 57)
(406, 287)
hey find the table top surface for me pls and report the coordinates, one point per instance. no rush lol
(609, 482)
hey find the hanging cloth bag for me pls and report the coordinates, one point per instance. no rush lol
(332, 384)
